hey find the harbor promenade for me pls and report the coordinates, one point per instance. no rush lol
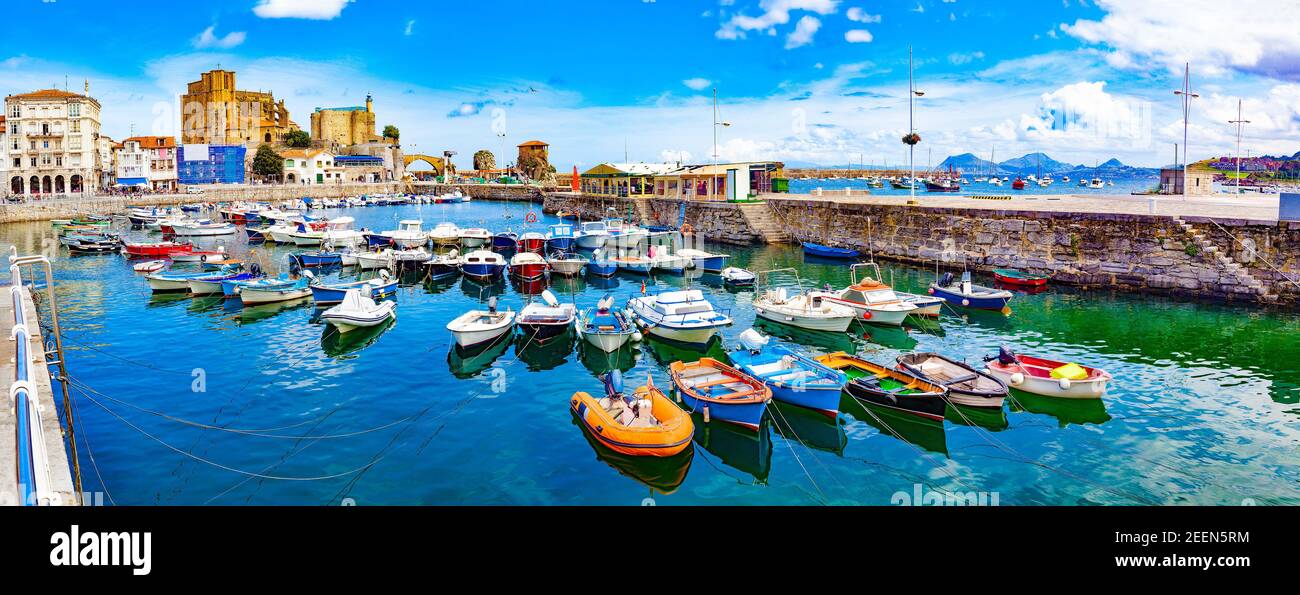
(40, 442)
(1254, 207)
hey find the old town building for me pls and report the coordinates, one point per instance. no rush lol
(214, 111)
(336, 128)
(147, 162)
(51, 143)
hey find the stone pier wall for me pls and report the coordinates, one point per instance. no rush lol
(510, 192)
(713, 221)
(1142, 253)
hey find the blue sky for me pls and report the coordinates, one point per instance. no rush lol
(821, 81)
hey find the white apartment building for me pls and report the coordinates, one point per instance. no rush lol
(51, 144)
(147, 162)
(310, 166)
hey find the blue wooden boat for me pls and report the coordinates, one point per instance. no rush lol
(255, 235)
(559, 238)
(505, 242)
(378, 240)
(968, 295)
(334, 293)
(601, 267)
(317, 259)
(793, 377)
(821, 251)
(720, 392)
(190, 208)
(214, 284)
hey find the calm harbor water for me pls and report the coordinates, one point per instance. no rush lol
(195, 401)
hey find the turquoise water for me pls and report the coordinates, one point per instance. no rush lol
(1203, 409)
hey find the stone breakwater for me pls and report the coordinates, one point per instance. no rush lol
(508, 192)
(1141, 253)
(720, 222)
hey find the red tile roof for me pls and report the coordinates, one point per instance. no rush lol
(47, 94)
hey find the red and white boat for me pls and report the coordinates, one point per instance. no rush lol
(1019, 184)
(198, 255)
(159, 250)
(527, 266)
(532, 242)
(1047, 377)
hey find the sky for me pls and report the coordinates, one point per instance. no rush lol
(800, 81)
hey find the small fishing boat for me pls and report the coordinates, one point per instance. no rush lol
(869, 298)
(1019, 184)
(198, 255)
(566, 264)
(1016, 277)
(592, 235)
(793, 377)
(482, 264)
(445, 234)
(738, 277)
(475, 237)
(168, 281)
(151, 266)
(803, 310)
(966, 385)
(664, 260)
(382, 259)
(634, 263)
(550, 318)
(358, 311)
(531, 242)
(479, 327)
(969, 295)
(505, 242)
(721, 392)
(409, 234)
(319, 258)
(606, 328)
(527, 266)
(1046, 377)
(708, 262)
(681, 316)
(212, 284)
(926, 305)
(161, 249)
(646, 424)
(601, 267)
(257, 235)
(204, 229)
(821, 251)
(560, 237)
(442, 266)
(887, 387)
(267, 291)
(333, 293)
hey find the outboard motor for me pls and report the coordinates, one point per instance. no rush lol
(613, 384)
(946, 280)
(492, 304)
(1006, 357)
(295, 268)
(255, 269)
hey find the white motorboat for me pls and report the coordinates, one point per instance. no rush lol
(737, 276)
(682, 316)
(709, 262)
(480, 327)
(359, 311)
(268, 291)
(665, 260)
(566, 264)
(806, 311)
(592, 235)
(382, 259)
(549, 318)
(409, 234)
(200, 229)
(483, 264)
(475, 237)
(606, 328)
(445, 234)
(151, 266)
(869, 298)
(528, 266)
(926, 305)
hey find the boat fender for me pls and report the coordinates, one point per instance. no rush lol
(637, 336)
(866, 316)
(706, 414)
(930, 291)
(965, 302)
(1017, 379)
(1064, 383)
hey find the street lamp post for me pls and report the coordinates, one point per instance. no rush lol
(1187, 95)
(912, 94)
(1240, 122)
(713, 177)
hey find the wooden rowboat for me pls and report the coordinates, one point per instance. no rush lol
(721, 392)
(966, 385)
(1042, 376)
(1015, 277)
(893, 389)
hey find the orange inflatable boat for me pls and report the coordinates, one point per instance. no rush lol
(643, 424)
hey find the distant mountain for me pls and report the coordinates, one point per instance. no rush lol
(968, 164)
(1031, 163)
(1112, 164)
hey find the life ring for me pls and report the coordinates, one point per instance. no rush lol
(531, 218)
(688, 229)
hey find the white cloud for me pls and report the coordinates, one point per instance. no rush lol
(410, 28)
(962, 59)
(209, 39)
(858, 15)
(858, 36)
(803, 32)
(320, 10)
(697, 84)
(1252, 36)
(775, 12)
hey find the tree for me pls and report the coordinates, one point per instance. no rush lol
(298, 139)
(392, 132)
(483, 159)
(267, 163)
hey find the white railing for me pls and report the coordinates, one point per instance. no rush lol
(35, 486)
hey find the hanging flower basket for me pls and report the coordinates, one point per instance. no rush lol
(912, 139)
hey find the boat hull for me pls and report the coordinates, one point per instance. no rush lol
(689, 336)
(671, 437)
(975, 303)
(592, 242)
(602, 269)
(607, 342)
(537, 332)
(818, 323)
(349, 322)
(334, 295)
(821, 251)
(483, 270)
(250, 295)
(745, 415)
(929, 406)
(567, 268)
(528, 272)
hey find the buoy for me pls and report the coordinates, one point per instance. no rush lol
(636, 337)
(866, 316)
(1017, 379)
(965, 302)
(930, 291)
(706, 414)
(1064, 383)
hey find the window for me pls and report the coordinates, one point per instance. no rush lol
(13, 128)
(74, 109)
(76, 125)
(15, 112)
(18, 162)
(58, 161)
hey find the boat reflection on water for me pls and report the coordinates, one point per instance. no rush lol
(741, 449)
(605, 283)
(923, 432)
(994, 420)
(482, 290)
(1020, 289)
(595, 359)
(827, 341)
(989, 319)
(892, 337)
(207, 303)
(336, 344)
(468, 363)
(439, 285)
(252, 314)
(810, 428)
(666, 352)
(168, 300)
(1066, 411)
(561, 285)
(534, 287)
(545, 355)
(661, 474)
